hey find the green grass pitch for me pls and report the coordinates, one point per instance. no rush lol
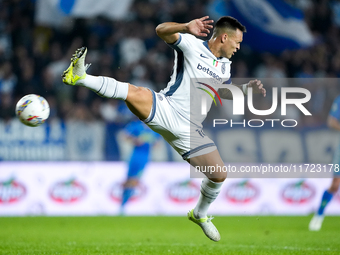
(165, 235)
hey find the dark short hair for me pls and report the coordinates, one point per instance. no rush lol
(227, 22)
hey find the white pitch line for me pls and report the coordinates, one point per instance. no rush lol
(233, 246)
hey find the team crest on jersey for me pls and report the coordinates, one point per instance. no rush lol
(223, 68)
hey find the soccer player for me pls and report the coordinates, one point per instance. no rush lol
(142, 138)
(171, 111)
(333, 122)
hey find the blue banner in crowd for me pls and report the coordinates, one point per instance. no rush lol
(19, 142)
(99, 141)
(85, 141)
(53, 12)
(272, 25)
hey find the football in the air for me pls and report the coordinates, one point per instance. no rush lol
(32, 110)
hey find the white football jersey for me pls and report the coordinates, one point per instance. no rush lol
(196, 71)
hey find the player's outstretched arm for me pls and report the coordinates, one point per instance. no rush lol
(255, 84)
(169, 31)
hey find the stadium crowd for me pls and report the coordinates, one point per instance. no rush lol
(32, 57)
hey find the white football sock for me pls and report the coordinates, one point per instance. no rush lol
(105, 86)
(209, 192)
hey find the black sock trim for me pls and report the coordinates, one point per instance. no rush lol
(206, 194)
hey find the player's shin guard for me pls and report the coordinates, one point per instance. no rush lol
(209, 192)
(106, 87)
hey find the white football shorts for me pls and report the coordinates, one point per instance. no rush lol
(175, 129)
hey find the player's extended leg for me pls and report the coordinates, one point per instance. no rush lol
(210, 188)
(334, 185)
(138, 99)
(128, 190)
(136, 166)
(316, 222)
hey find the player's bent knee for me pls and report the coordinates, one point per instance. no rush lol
(334, 186)
(130, 183)
(137, 94)
(333, 189)
(139, 101)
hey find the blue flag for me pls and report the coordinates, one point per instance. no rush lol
(55, 12)
(272, 25)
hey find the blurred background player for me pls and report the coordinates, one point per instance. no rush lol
(334, 123)
(142, 138)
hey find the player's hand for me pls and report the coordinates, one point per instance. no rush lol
(257, 87)
(200, 27)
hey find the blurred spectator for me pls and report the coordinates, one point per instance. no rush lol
(141, 77)
(132, 50)
(5, 35)
(242, 70)
(109, 110)
(7, 112)
(322, 17)
(8, 80)
(307, 71)
(270, 68)
(335, 7)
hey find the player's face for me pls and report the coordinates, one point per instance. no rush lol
(232, 43)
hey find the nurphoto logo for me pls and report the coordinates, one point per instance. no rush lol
(239, 102)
